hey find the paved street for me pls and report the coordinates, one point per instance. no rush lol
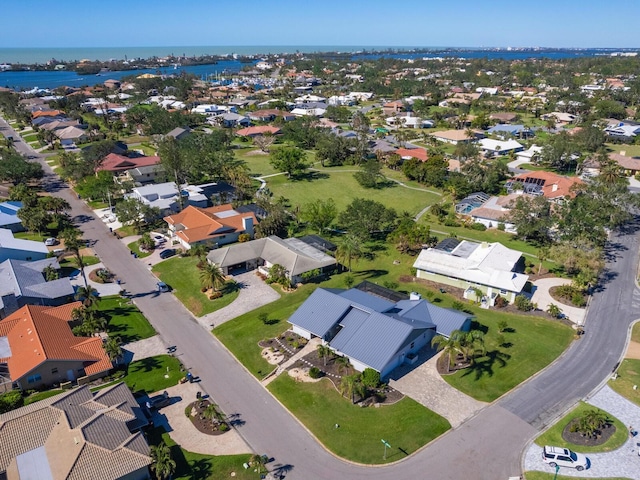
(489, 446)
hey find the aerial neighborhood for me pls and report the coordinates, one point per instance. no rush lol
(372, 247)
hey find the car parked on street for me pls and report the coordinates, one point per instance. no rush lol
(563, 457)
(169, 252)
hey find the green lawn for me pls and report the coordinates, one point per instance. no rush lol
(628, 377)
(533, 344)
(125, 320)
(36, 397)
(148, 375)
(31, 137)
(181, 274)
(406, 425)
(343, 188)
(69, 262)
(196, 466)
(134, 247)
(551, 476)
(36, 237)
(258, 163)
(553, 436)
(629, 150)
(635, 333)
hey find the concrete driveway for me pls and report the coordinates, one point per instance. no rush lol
(542, 297)
(182, 431)
(424, 384)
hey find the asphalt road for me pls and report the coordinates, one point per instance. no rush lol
(488, 446)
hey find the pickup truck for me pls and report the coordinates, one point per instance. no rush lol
(158, 401)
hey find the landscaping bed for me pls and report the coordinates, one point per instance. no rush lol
(196, 412)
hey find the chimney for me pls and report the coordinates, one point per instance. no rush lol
(247, 225)
(554, 187)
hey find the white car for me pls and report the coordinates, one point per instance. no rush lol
(563, 457)
(50, 242)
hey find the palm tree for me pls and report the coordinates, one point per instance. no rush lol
(258, 461)
(199, 250)
(543, 254)
(88, 296)
(449, 345)
(554, 310)
(211, 276)
(163, 465)
(471, 343)
(324, 352)
(113, 348)
(211, 412)
(349, 249)
(343, 363)
(73, 243)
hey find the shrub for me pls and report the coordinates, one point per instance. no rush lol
(478, 226)
(10, 401)
(578, 299)
(565, 291)
(523, 303)
(500, 302)
(215, 295)
(370, 378)
(390, 284)
(224, 427)
(314, 372)
(264, 318)
(451, 222)
(502, 326)
(457, 305)
(501, 227)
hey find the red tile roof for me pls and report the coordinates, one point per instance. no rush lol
(47, 113)
(261, 130)
(38, 333)
(555, 186)
(419, 153)
(202, 224)
(119, 163)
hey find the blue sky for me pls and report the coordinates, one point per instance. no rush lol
(478, 23)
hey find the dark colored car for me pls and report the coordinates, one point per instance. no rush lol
(169, 252)
(159, 401)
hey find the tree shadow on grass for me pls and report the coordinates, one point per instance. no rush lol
(200, 469)
(486, 365)
(148, 364)
(311, 176)
(372, 273)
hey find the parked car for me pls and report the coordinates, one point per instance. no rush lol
(162, 287)
(159, 239)
(158, 401)
(563, 457)
(169, 252)
(51, 241)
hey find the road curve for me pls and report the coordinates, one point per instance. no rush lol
(488, 446)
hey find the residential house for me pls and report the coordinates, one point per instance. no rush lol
(139, 170)
(494, 212)
(20, 249)
(625, 131)
(179, 133)
(70, 135)
(454, 136)
(9, 216)
(490, 267)
(503, 117)
(493, 147)
(257, 131)
(529, 155)
(164, 196)
(40, 349)
(504, 129)
(393, 108)
(231, 120)
(371, 331)
(629, 165)
(408, 153)
(208, 194)
(554, 187)
(214, 226)
(408, 120)
(23, 282)
(562, 118)
(47, 113)
(58, 124)
(296, 256)
(76, 435)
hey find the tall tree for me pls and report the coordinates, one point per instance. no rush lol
(291, 160)
(349, 249)
(364, 217)
(533, 218)
(319, 214)
(211, 276)
(74, 244)
(163, 465)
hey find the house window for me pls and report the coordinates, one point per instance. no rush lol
(54, 370)
(34, 378)
(503, 292)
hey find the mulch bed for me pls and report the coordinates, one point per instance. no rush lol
(578, 439)
(553, 291)
(202, 424)
(288, 344)
(93, 276)
(445, 368)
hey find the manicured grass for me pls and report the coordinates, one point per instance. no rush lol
(258, 163)
(628, 376)
(532, 345)
(134, 247)
(30, 137)
(148, 375)
(36, 237)
(96, 204)
(635, 333)
(553, 436)
(69, 262)
(191, 465)
(125, 320)
(126, 231)
(182, 275)
(551, 476)
(629, 150)
(36, 397)
(343, 188)
(406, 425)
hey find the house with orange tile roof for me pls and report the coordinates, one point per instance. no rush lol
(139, 170)
(213, 226)
(553, 186)
(259, 130)
(407, 153)
(39, 348)
(47, 113)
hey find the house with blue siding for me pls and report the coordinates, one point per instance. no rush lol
(371, 331)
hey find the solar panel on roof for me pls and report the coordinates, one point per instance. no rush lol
(448, 244)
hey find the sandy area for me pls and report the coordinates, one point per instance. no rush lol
(302, 375)
(633, 350)
(274, 358)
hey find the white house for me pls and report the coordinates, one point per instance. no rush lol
(19, 249)
(529, 155)
(499, 147)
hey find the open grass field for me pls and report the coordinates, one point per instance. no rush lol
(553, 436)
(148, 375)
(182, 275)
(125, 320)
(628, 377)
(197, 466)
(629, 150)
(405, 425)
(258, 163)
(343, 188)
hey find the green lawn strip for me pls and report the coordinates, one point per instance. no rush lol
(628, 376)
(241, 335)
(126, 231)
(125, 320)
(148, 375)
(635, 333)
(553, 436)
(534, 343)
(36, 397)
(629, 150)
(182, 275)
(532, 475)
(191, 465)
(258, 163)
(343, 188)
(405, 425)
(97, 204)
(135, 248)
(36, 237)
(69, 262)
(30, 137)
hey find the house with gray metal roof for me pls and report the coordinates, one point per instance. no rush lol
(9, 216)
(23, 283)
(20, 249)
(371, 331)
(76, 435)
(296, 256)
